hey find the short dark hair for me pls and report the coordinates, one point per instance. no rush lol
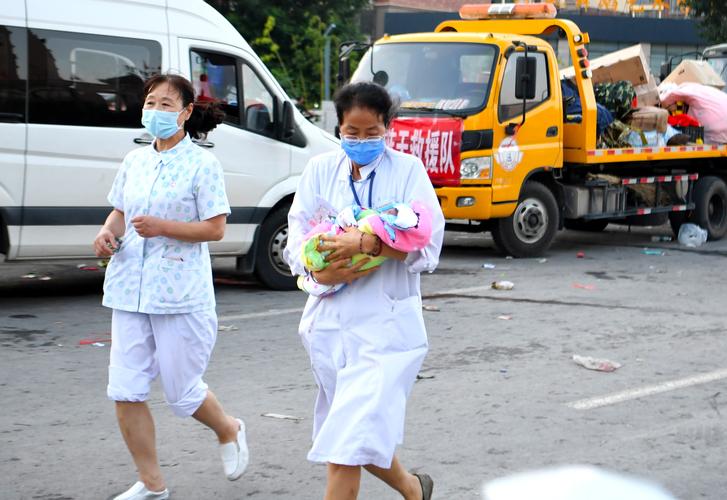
(205, 115)
(364, 95)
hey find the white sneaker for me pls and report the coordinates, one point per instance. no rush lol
(140, 492)
(235, 455)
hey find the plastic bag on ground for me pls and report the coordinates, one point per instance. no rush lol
(600, 365)
(692, 236)
(503, 285)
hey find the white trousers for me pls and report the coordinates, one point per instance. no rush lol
(176, 347)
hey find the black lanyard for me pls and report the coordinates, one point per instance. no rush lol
(370, 178)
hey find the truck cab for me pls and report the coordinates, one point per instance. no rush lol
(469, 84)
(716, 56)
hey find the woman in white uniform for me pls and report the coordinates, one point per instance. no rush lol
(169, 200)
(367, 341)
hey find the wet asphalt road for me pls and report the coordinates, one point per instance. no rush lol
(500, 391)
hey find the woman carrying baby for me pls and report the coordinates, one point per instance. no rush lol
(379, 225)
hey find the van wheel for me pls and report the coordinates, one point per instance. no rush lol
(592, 226)
(530, 230)
(710, 212)
(270, 267)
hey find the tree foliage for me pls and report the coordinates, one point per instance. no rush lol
(288, 36)
(713, 18)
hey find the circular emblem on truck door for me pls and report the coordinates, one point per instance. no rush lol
(508, 154)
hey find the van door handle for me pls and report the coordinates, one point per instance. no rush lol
(12, 118)
(144, 139)
(551, 132)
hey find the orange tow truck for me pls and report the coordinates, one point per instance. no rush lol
(480, 102)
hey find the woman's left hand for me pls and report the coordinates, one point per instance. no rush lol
(342, 246)
(148, 226)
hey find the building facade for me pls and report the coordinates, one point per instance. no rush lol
(662, 37)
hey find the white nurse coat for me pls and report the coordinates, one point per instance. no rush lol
(366, 342)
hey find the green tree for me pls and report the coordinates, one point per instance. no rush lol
(288, 36)
(713, 17)
(269, 52)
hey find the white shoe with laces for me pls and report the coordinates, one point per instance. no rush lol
(141, 492)
(235, 455)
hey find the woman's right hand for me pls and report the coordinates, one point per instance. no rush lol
(105, 243)
(340, 271)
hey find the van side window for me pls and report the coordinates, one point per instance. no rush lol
(88, 80)
(13, 74)
(510, 107)
(258, 103)
(214, 77)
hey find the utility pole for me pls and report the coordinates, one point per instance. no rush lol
(327, 62)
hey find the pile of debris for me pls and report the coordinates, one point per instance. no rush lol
(688, 107)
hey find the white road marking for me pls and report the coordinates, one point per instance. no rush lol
(649, 390)
(261, 314)
(298, 310)
(459, 291)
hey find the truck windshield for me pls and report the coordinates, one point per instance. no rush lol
(451, 77)
(720, 66)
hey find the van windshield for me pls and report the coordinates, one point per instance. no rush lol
(451, 77)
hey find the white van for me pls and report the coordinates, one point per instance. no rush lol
(71, 80)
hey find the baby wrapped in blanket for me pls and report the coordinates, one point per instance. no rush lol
(406, 227)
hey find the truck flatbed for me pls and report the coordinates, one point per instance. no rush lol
(642, 154)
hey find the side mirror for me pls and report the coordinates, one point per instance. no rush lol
(381, 77)
(288, 122)
(525, 78)
(344, 70)
(664, 70)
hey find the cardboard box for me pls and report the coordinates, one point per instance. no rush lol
(648, 93)
(695, 72)
(625, 64)
(649, 118)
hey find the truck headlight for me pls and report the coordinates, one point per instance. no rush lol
(479, 167)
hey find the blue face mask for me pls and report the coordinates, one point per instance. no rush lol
(363, 152)
(160, 124)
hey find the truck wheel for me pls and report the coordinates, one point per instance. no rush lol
(530, 230)
(710, 212)
(270, 267)
(592, 226)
